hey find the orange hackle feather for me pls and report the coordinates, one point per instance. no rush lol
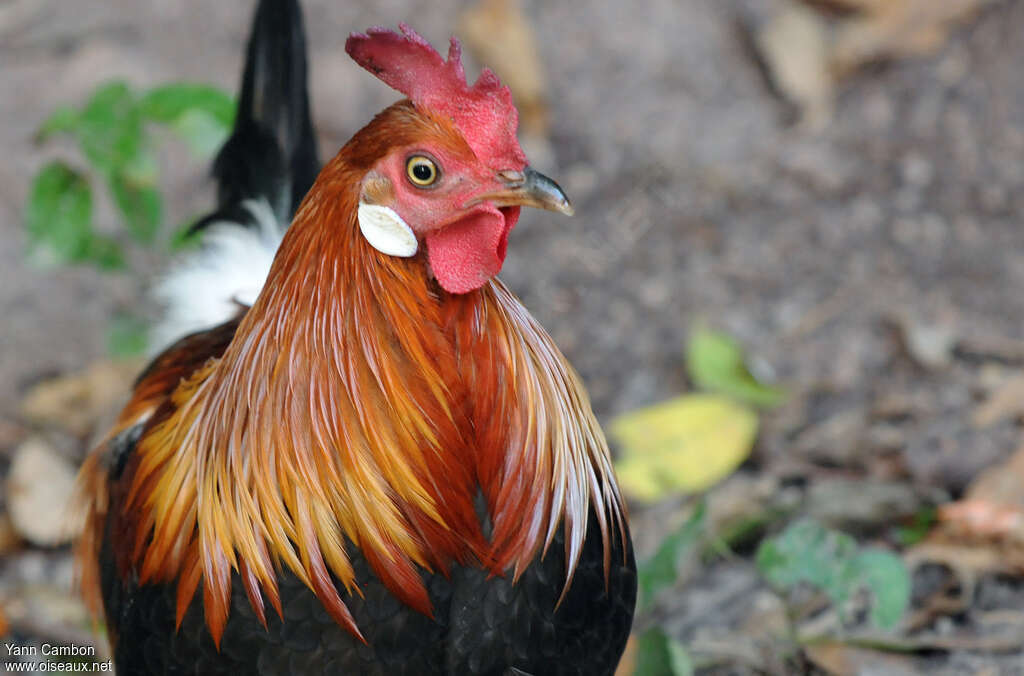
(357, 405)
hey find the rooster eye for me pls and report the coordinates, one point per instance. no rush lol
(421, 170)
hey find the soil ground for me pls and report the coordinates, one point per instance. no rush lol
(878, 259)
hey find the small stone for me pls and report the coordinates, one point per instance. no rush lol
(917, 171)
(40, 486)
(929, 345)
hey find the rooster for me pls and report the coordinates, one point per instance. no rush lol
(384, 465)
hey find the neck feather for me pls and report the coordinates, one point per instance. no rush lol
(358, 399)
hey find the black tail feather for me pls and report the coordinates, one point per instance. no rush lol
(271, 153)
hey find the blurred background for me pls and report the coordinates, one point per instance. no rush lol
(794, 286)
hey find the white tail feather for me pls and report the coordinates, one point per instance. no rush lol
(204, 287)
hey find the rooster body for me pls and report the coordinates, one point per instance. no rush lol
(384, 465)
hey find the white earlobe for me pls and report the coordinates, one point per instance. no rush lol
(385, 230)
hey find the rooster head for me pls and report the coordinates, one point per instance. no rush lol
(449, 173)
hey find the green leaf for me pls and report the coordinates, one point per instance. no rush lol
(142, 169)
(58, 217)
(886, 576)
(685, 444)
(679, 659)
(808, 552)
(922, 524)
(657, 654)
(140, 205)
(110, 128)
(127, 336)
(203, 133)
(715, 362)
(661, 570)
(183, 238)
(169, 102)
(106, 253)
(62, 120)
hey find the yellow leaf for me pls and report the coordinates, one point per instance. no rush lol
(685, 444)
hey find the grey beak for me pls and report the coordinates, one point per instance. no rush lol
(529, 188)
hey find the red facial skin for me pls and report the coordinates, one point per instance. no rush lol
(466, 240)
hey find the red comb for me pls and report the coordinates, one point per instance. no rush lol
(483, 113)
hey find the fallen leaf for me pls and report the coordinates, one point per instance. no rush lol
(885, 574)
(806, 552)
(686, 444)
(841, 659)
(1002, 483)
(40, 485)
(984, 531)
(794, 47)
(985, 518)
(991, 511)
(77, 401)
(806, 49)
(500, 36)
(658, 654)
(968, 562)
(1006, 401)
(897, 28)
(715, 362)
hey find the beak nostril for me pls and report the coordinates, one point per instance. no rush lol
(527, 188)
(512, 176)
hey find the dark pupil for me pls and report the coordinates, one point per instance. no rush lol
(422, 172)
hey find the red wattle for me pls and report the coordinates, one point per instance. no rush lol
(465, 254)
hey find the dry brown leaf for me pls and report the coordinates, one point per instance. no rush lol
(887, 29)
(984, 531)
(794, 47)
(1003, 483)
(39, 491)
(967, 562)
(501, 38)
(992, 508)
(75, 402)
(1006, 401)
(846, 660)
(807, 49)
(985, 519)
